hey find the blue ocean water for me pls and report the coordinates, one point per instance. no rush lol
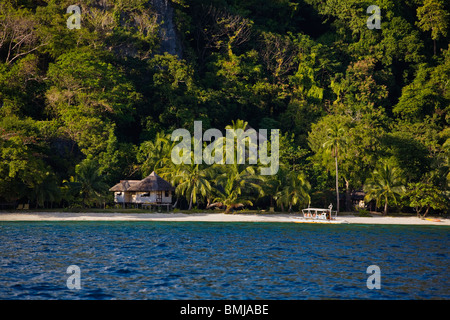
(196, 260)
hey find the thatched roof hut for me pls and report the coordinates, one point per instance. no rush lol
(124, 185)
(152, 183)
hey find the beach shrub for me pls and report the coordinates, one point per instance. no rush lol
(364, 213)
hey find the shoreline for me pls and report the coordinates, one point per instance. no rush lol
(203, 217)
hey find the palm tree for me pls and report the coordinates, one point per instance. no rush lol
(192, 180)
(295, 191)
(47, 190)
(233, 182)
(384, 184)
(335, 142)
(238, 124)
(153, 154)
(273, 185)
(90, 182)
(231, 148)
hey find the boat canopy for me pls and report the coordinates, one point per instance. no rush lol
(319, 213)
(316, 210)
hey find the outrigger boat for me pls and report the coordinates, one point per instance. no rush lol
(316, 215)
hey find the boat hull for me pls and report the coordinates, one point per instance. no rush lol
(300, 220)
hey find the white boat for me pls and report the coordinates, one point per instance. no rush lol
(318, 215)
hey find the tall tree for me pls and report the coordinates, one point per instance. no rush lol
(47, 190)
(295, 191)
(386, 184)
(235, 184)
(425, 196)
(433, 17)
(192, 180)
(155, 154)
(22, 165)
(89, 182)
(335, 143)
(18, 35)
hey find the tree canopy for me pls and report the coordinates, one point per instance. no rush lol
(102, 100)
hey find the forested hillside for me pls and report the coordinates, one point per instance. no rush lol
(82, 108)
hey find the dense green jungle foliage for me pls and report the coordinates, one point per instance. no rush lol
(81, 109)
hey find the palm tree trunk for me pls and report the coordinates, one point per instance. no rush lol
(385, 206)
(190, 201)
(337, 185)
(348, 199)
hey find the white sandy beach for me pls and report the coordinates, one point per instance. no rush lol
(211, 217)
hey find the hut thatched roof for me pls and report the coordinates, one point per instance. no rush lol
(124, 185)
(358, 195)
(152, 183)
